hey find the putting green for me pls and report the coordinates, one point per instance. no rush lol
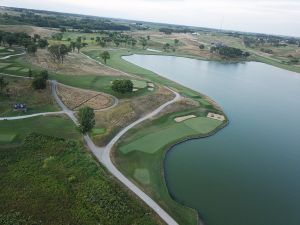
(139, 84)
(7, 137)
(202, 125)
(152, 142)
(142, 175)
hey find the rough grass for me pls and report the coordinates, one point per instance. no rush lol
(74, 64)
(127, 111)
(20, 91)
(52, 181)
(75, 98)
(30, 30)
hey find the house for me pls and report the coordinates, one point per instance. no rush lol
(20, 107)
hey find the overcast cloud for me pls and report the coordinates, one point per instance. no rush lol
(266, 16)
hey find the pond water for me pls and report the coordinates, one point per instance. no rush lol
(249, 172)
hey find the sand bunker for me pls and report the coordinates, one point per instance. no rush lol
(183, 118)
(215, 116)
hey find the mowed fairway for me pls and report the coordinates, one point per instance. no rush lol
(150, 143)
(14, 132)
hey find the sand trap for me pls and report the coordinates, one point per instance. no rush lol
(215, 116)
(153, 50)
(135, 89)
(151, 85)
(150, 89)
(183, 118)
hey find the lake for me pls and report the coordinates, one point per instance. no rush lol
(249, 172)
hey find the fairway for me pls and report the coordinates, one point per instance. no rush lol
(150, 143)
(7, 137)
(16, 130)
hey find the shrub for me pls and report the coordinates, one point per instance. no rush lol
(122, 86)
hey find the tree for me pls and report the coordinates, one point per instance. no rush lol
(58, 52)
(42, 43)
(32, 48)
(30, 73)
(105, 56)
(78, 46)
(176, 41)
(201, 46)
(122, 86)
(40, 81)
(86, 119)
(63, 29)
(143, 42)
(3, 84)
(72, 46)
(36, 37)
(133, 43)
(166, 47)
(69, 39)
(148, 37)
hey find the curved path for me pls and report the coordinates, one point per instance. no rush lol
(31, 115)
(9, 56)
(103, 154)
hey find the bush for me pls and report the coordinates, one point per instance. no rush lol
(40, 82)
(86, 119)
(122, 86)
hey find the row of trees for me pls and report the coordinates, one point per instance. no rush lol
(229, 52)
(22, 39)
(62, 20)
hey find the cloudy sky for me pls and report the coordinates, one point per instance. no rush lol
(266, 16)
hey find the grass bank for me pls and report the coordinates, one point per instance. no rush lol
(141, 158)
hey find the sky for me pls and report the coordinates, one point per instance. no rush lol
(263, 16)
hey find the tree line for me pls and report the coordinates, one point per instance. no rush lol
(229, 52)
(58, 21)
(24, 40)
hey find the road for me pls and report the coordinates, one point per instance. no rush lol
(103, 154)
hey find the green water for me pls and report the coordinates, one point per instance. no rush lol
(249, 172)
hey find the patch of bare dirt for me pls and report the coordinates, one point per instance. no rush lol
(75, 98)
